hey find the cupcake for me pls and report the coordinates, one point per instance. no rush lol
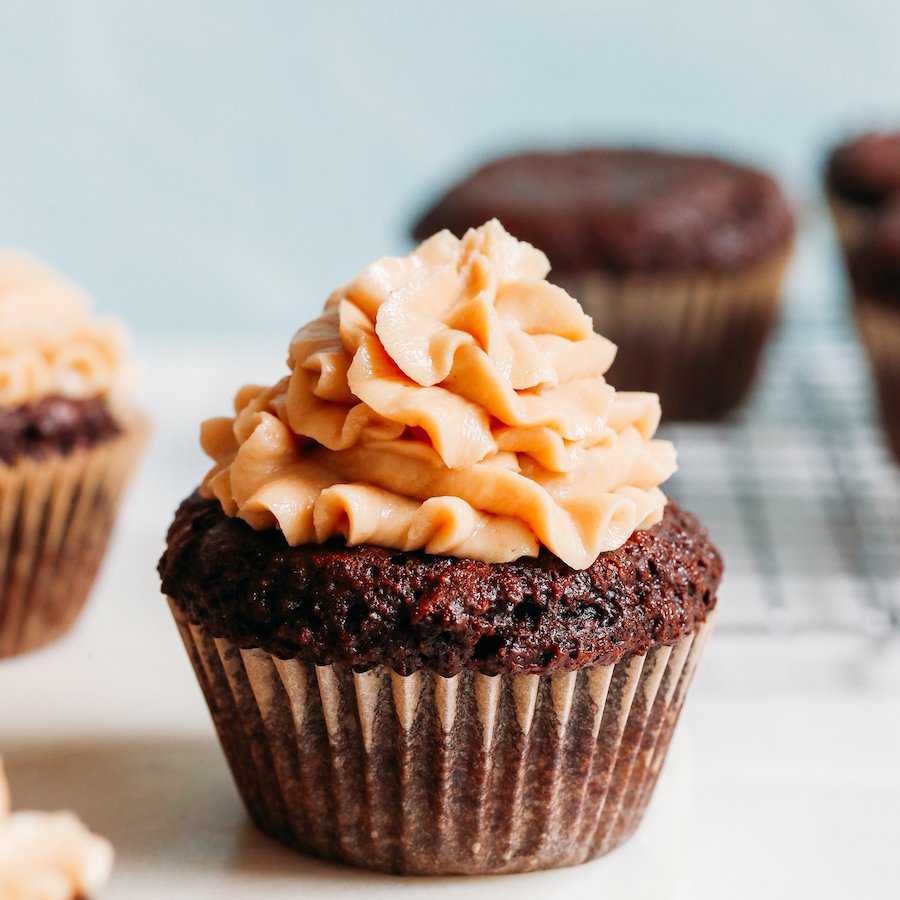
(873, 264)
(441, 611)
(68, 444)
(860, 177)
(862, 181)
(49, 856)
(679, 259)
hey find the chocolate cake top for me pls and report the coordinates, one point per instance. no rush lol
(364, 606)
(54, 425)
(623, 210)
(866, 169)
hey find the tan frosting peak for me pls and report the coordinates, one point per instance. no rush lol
(451, 400)
(50, 343)
(49, 856)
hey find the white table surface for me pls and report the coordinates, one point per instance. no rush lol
(789, 750)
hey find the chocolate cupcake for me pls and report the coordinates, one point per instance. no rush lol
(442, 614)
(68, 444)
(873, 264)
(861, 176)
(679, 259)
(862, 182)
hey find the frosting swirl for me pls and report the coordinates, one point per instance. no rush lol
(49, 856)
(451, 400)
(49, 342)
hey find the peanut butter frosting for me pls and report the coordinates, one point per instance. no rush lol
(51, 345)
(452, 401)
(49, 856)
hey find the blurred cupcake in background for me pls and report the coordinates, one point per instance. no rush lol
(68, 445)
(861, 176)
(862, 181)
(874, 266)
(679, 259)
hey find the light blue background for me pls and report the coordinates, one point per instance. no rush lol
(224, 165)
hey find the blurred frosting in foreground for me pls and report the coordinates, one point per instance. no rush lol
(50, 345)
(451, 400)
(49, 856)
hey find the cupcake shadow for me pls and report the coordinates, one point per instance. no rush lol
(165, 803)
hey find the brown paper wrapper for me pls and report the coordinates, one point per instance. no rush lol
(853, 222)
(879, 328)
(428, 775)
(693, 338)
(56, 515)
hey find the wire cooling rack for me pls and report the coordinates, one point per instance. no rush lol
(800, 492)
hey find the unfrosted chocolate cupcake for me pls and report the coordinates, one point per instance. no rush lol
(678, 259)
(68, 444)
(862, 182)
(442, 614)
(873, 263)
(861, 176)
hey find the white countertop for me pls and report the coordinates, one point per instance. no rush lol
(789, 748)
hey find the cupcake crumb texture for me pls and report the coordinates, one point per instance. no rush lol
(367, 606)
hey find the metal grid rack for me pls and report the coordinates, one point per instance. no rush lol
(800, 492)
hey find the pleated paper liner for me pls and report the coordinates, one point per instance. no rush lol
(853, 222)
(879, 328)
(428, 775)
(694, 338)
(56, 515)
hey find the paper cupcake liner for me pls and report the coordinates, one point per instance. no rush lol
(852, 221)
(694, 338)
(428, 775)
(56, 515)
(879, 328)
